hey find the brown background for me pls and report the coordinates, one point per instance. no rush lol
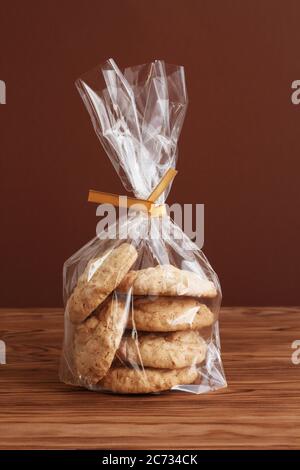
(238, 154)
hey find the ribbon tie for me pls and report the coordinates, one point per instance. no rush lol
(147, 205)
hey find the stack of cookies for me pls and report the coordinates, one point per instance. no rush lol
(138, 331)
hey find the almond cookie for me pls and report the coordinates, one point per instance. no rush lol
(99, 279)
(97, 340)
(167, 280)
(125, 380)
(163, 351)
(169, 314)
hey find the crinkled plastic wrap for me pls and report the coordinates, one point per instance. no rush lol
(141, 307)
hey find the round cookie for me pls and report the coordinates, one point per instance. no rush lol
(163, 351)
(167, 280)
(169, 314)
(126, 380)
(101, 276)
(97, 340)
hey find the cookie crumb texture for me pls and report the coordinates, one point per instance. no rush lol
(101, 276)
(165, 351)
(163, 314)
(167, 280)
(97, 340)
(124, 380)
(138, 331)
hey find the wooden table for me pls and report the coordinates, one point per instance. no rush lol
(259, 409)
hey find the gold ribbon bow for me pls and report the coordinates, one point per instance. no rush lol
(147, 205)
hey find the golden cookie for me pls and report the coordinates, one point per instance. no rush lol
(101, 276)
(169, 314)
(125, 380)
(167, 280)
(97, 339)
(163, 351)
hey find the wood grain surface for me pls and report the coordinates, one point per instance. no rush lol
(259, 409)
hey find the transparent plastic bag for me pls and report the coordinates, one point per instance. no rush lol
(141, 308)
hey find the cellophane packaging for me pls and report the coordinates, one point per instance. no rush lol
(141, 299)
